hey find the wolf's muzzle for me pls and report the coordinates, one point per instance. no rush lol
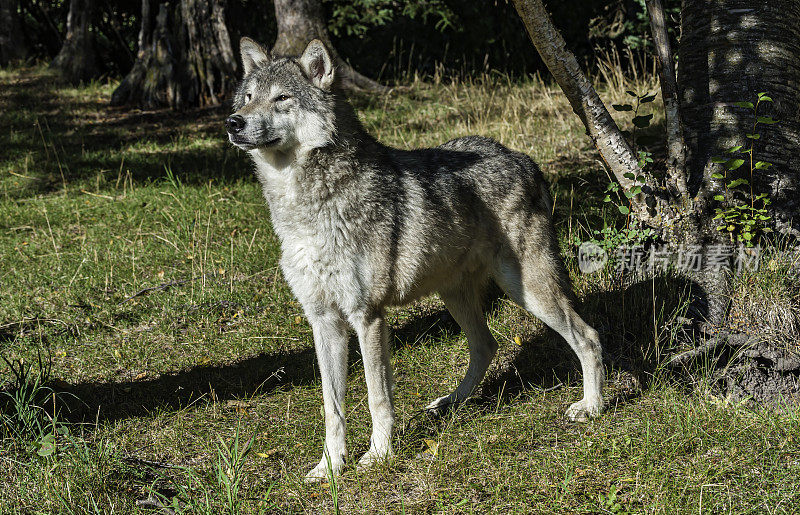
(235, 124)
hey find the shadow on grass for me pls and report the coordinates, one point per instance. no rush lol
(630, 316)
(69, 140)
(629, 319)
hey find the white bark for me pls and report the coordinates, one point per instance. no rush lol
(583, 98)
(676, 147)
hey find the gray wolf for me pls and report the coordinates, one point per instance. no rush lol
(364, 226)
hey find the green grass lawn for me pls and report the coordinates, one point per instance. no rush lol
(138, 263)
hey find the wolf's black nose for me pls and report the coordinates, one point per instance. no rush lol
(235, 123)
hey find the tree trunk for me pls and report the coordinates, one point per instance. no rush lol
(677, 222)
(730, 50)
(184, 59)
(76, 61)
(676, 147)
(300, 21)
(12, 44)
(600, 126)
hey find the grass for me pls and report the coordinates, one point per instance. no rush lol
(139, 262)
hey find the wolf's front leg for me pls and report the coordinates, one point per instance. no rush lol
(330, 340)
(373, 339)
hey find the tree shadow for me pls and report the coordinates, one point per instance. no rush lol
(72, 140)
(543, 361)
(628, 319)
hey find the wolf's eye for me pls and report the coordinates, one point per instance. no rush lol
(247, 97)
(281, 98)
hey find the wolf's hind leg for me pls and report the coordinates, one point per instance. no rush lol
(541, 291)
(465, 305)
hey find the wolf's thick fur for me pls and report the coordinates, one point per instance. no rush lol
(364, 226)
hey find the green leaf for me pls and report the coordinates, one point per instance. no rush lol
(721, 198)
(737, 182)
(642, 121)
(754, 136)
(624, 210)
(629, 194)
(47, 445)
(607, 198)
(762, 165)
(764, 98)
(629, 175)
(734, 149)
(748, 105)
(648, 98)
(766, 120)
(636, 190)
(46, 450)
(622, 107)
(733, 164)
(717, 176)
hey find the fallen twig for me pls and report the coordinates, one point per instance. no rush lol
(151, 463)
(160, 287)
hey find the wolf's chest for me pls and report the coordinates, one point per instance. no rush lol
(320, 257)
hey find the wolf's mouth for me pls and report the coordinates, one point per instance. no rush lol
(248, 144)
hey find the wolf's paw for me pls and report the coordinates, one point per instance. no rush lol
(442, 404)
(371, 457)
(584, 410)
(321, 472)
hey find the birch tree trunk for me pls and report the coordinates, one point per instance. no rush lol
(600, 126)
(676, 146)
(76, 61)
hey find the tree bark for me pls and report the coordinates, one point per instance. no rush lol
(77, 61)
(730, 50)
(300, 21)
(12, 43)
(676, 147)
(184, 58)
(600, 126)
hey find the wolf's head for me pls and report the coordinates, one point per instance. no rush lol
(284, 104)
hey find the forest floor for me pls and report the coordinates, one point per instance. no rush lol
(139, 279)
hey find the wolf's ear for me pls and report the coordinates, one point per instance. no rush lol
(318, 65)
(252, 54)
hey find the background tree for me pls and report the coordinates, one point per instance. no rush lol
(184, 56)
(730, 50)
(12, 44)
(734, 57)
(77, 60)
(300, 21)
